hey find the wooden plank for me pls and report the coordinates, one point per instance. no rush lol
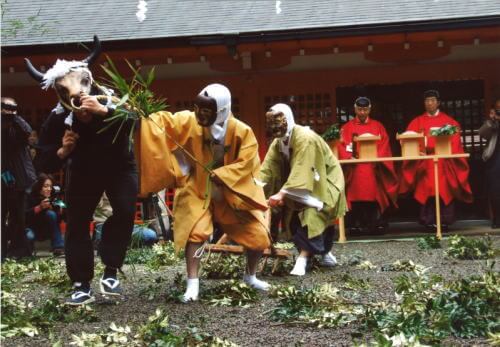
(421, 157)
(280, 253)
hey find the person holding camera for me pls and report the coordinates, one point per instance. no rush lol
(491, 155)
(44, 213)
(18, 174)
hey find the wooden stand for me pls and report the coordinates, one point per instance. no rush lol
(442, 144)
(367, 146)
(410, 144)
(435, 158)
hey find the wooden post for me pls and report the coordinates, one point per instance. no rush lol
(342, 238)
(436, 192)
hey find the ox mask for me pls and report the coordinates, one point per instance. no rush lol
(70, 79)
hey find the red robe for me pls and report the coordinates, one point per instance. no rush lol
(418, 175)
(369, 181)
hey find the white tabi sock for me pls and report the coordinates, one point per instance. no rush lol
(300, 267)
(254, 282)
(328, 260)
(192, 290)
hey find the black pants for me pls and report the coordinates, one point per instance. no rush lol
(320, 244)
(495, 211)
(428, 212)
(365, 215)
(83, 194)
(14, 240)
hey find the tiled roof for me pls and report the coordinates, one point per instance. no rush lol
(41, 22)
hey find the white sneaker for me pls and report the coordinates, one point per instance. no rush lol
(328, 260)
(300, 267)
(254, 282)
(192, 290)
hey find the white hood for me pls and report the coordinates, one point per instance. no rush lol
(222, 96)
(287, 111)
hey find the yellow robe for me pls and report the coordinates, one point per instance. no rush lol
(241, 165)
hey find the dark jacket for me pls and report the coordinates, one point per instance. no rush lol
(16, 157)
(93, 151)
(489, 131)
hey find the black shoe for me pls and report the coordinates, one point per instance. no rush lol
(355, 231)
(58, 252)
(430, 228)
(80, 297)
(110, 286)
(19, 253)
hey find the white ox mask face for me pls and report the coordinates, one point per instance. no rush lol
(73, 85)
(70, 79)
(222, 97)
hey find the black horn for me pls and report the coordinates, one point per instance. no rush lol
(37, 75)
(95, 52)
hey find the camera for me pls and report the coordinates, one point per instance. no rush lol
(497, 112)
(55, 198)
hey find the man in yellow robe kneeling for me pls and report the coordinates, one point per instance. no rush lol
(217, 155)
(302, 177)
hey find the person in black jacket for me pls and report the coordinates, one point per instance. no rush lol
(490, 131)
(18, 174)
(44, 215)
(97, 163)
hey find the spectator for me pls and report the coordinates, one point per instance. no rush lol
(33, 143)
(44, 214)
(491, 156)
(18, 174)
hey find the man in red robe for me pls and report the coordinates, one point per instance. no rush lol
(371, 187)
(453, 173)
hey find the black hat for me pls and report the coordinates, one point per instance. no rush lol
(431, 93)
(362, 101)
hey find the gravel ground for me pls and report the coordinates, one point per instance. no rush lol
(252, 326)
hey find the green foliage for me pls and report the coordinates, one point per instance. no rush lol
(353, 283)
(232, 293)
(223, 266)
(461, 247)
(137, 100)
(447, 129)
(354, 258)
(158, 332)
(432, 309)
(155, 257)
(383, 340)
(402, 265)
(277, 266)
(29, 26)
(22, 318)
(47, 271)
(321, 306)
(428, 242)
(366, 265)
(332, 133)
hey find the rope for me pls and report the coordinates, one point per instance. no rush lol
(200, 251)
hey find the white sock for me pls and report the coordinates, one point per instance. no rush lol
(254, 282)
(328, 259)
(300, 267)
(192, 290)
